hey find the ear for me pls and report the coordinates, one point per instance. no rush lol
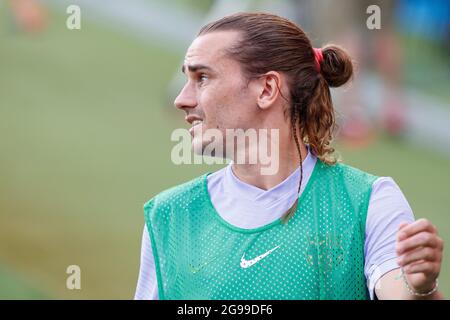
(269, 89)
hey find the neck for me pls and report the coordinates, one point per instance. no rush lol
(289, 161)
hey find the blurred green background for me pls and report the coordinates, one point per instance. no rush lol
(85, 123)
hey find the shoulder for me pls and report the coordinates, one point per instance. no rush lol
(177, 194)
(383, 184)
(341, 170)
(387, 200)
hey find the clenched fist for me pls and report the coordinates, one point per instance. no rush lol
(419, 251)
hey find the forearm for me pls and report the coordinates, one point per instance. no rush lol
(392, 286)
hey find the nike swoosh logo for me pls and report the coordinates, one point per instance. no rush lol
(248, 263)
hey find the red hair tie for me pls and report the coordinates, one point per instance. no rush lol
(318, 55)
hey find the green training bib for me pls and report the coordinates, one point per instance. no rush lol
(317, 254)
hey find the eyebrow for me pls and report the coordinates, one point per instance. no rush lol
(195, 68)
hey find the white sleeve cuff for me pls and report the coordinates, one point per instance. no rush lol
(376, 272)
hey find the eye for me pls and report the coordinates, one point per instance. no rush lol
(202, 77)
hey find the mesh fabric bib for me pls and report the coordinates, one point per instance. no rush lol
(318, 254)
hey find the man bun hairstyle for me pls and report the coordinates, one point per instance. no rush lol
(337, 66)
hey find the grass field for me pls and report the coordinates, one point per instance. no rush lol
(85, 141)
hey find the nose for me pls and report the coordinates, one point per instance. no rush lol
(186, 98)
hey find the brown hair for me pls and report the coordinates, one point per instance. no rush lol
(271, 43)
